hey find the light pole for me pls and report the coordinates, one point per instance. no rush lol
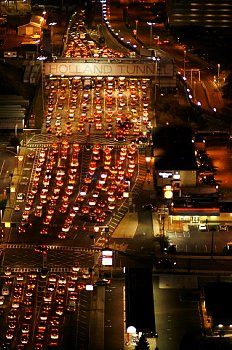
(42, 59)
(52, 24)
(151, 31)
(212, 230)
(136, 28)
(184, 60)
(218, 72)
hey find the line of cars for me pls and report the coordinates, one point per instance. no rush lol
(73, 187)
(110, 106)
(34, 313)
(64, 198)
(113, 107)
(81, 45)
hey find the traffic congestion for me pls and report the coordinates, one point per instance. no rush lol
(75, 188)
(37, 306)
(71, 189)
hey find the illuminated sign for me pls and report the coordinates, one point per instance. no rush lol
(107, 258)
(93, 69)
(165, 175)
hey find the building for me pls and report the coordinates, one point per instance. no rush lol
(140, 312)
(13, 110)
(202, 13)
(217, 306)
(175, 162)
(32, 29)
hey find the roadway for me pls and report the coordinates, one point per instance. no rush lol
(8, 162)
(204, 90)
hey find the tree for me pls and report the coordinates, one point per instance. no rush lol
(227, 88)
(142, 343)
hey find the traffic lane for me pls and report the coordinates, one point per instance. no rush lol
(114, 321)
(173, 317)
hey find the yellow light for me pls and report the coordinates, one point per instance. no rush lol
(168, 194)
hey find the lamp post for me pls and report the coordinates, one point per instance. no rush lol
(51, 25)
(218, 72)
(184, 60)
(212, 230)
(151, 31)
(42, 59)
(136, 28)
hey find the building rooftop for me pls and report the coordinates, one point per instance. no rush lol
(173, 148)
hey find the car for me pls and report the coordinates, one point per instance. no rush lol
(25, 328)
(20, 197)
(202, 227)
(165, 263)
(59, 310)
(9, 334)
(62, 235)
(227, 250)
(12, 325)
(52, 278)
(71, 286)
(223, 228)
(12, 315)
(28, 314)
(44, 315)
(5, 290)
(102, 282)
(148, 206)
(24, 338)
(62, 280)
(55, 320)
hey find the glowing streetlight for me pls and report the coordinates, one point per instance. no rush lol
(151, 31)
(51, 25)
(184, 60)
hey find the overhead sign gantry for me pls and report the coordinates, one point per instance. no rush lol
(147, 69)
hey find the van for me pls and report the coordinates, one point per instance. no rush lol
(5, 290)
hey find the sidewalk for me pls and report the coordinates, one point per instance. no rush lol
(13, 188)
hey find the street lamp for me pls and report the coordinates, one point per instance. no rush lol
(212, 230)
(218, 72)
(184, 61)
(52, 24)
(42, 59)
(136, 28)
(151, 31)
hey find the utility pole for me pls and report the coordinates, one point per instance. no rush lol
(212, 230)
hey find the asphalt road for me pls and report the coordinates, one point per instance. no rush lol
(7, 165)
(173, 317)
